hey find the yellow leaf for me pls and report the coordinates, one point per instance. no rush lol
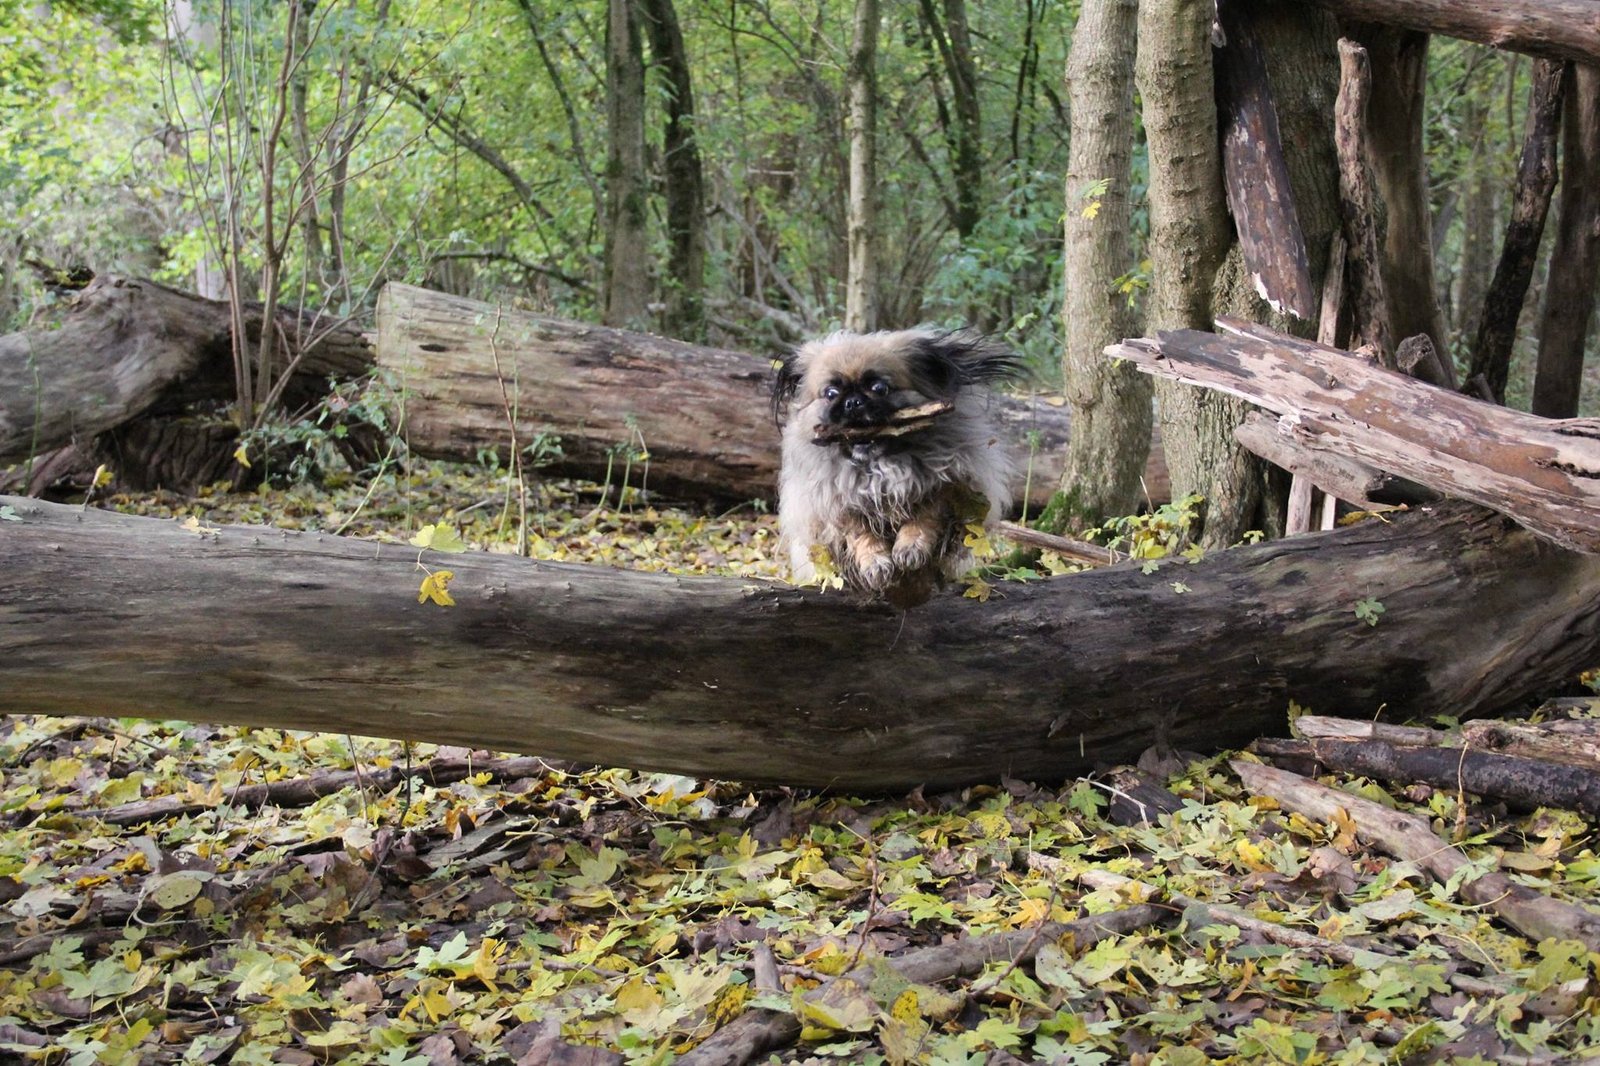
(436, 587)
(192, 524)
(1251, 855)
(1031, 912)
(1091, 210)
(241, 456)
(102, 476)
(439, 537)
(637, 1002)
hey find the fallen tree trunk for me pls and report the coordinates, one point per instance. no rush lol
(126, 347)
(107, 614)
(702, 416)
(1555, 29)
(1545, 473)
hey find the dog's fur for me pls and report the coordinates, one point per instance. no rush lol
(889, 508)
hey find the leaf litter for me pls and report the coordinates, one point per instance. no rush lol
(179, 893)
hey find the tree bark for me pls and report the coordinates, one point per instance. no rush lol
(1110, 402)
(861, 283)
(684, 182)
(1554, 29)
(702, 414)
(127, 347)
(1261, 196)
(765, 683)
(1394, 136)
(1536, 180)
(1188, 222)
(1544, 473)
(1575, 258)
(627, 253)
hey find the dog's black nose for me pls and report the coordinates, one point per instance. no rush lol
(853, 403)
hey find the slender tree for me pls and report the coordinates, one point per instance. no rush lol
(627, 275)
(683, 181)
(1110, 402)
(962, 123)
(1575, 259)
(861, 285)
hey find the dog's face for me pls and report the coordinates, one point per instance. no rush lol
(861, 380)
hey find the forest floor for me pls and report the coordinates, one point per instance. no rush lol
(385, 903)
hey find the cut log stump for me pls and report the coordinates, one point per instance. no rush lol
(107, 614)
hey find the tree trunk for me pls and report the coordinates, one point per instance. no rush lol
(1555, 29)
(861, 284)
(1189, 228)
(1477, 231)
(1570, 296)
(1110, 403)
(763, 683)
(1198, 428)
(1536, 180)
(1545, 473)
(964, 130)
(684, 184)
(702, 414)
(1399, 64)
(126, 347)
(627, 252)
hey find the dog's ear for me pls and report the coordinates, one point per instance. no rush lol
(944, 363)
(786, 383)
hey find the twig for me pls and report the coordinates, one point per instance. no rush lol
(906, 420)
(1079, 551)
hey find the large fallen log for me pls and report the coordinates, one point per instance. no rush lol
(126, 347)
(107, 614)
(1544, 472)
(702, 415)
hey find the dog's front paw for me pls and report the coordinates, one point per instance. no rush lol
(876, 570)
(914, 546)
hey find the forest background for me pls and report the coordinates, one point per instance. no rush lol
(464, 147)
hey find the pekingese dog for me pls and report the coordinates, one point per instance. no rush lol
(889, 451)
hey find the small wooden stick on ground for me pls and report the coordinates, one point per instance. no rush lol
(1409, 838)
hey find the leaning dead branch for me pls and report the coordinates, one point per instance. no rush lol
(1544, 473)
(1409, 838)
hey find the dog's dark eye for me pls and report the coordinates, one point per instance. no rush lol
(831, 392)
(879, 388)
